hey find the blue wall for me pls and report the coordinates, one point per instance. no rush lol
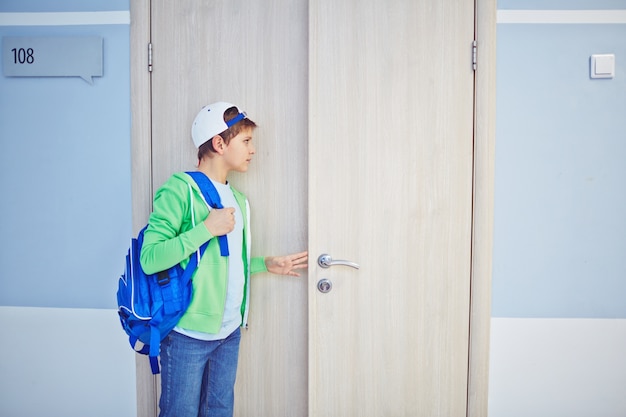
(560, 186)
(558, 332)
(65, 220)
(65, 212)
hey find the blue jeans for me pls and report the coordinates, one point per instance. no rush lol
(198, 376)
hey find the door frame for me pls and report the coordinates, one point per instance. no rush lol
(483, 148)
(141, 169)
(482, 222)
(483, 183)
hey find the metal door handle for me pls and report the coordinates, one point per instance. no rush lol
(326, 261)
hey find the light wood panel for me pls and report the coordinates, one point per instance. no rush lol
(253, 54)
(390, 187)
(484, 158)
(147, 384)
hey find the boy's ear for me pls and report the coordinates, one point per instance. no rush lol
(218, 144)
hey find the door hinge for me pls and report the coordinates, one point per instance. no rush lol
(150, 57)
(474, 48)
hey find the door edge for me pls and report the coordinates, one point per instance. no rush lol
(482, 234)
(141, 173)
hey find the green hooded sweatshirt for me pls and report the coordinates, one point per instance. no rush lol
(172, 238)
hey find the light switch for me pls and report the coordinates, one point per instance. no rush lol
(603, 66)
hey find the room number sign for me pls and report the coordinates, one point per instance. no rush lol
(52, 57)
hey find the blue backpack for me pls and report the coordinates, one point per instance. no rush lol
(150, 305)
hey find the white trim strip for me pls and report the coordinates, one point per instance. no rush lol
(65, 18)
(562, 16)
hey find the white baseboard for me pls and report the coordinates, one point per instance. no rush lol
(65, 362)
(557, 367)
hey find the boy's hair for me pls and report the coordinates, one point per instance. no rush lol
(228, 134)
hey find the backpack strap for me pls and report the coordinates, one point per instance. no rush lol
(155, 333)
(212, 198)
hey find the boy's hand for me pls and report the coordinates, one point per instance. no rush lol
(220, 221)
(286, 265)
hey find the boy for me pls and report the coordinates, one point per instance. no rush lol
(199, 358)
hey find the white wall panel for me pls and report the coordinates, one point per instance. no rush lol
(557, 367)
(65, 363)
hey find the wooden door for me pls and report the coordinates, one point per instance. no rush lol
(253, 54)
(390, 188)
(364, 152)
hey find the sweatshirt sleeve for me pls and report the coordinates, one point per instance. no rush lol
(170, 237)
(257, 265)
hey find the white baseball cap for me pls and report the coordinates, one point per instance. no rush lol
(210, 122)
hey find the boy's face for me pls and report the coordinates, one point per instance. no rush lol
(238, 153)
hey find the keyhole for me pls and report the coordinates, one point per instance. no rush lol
(324, 286)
